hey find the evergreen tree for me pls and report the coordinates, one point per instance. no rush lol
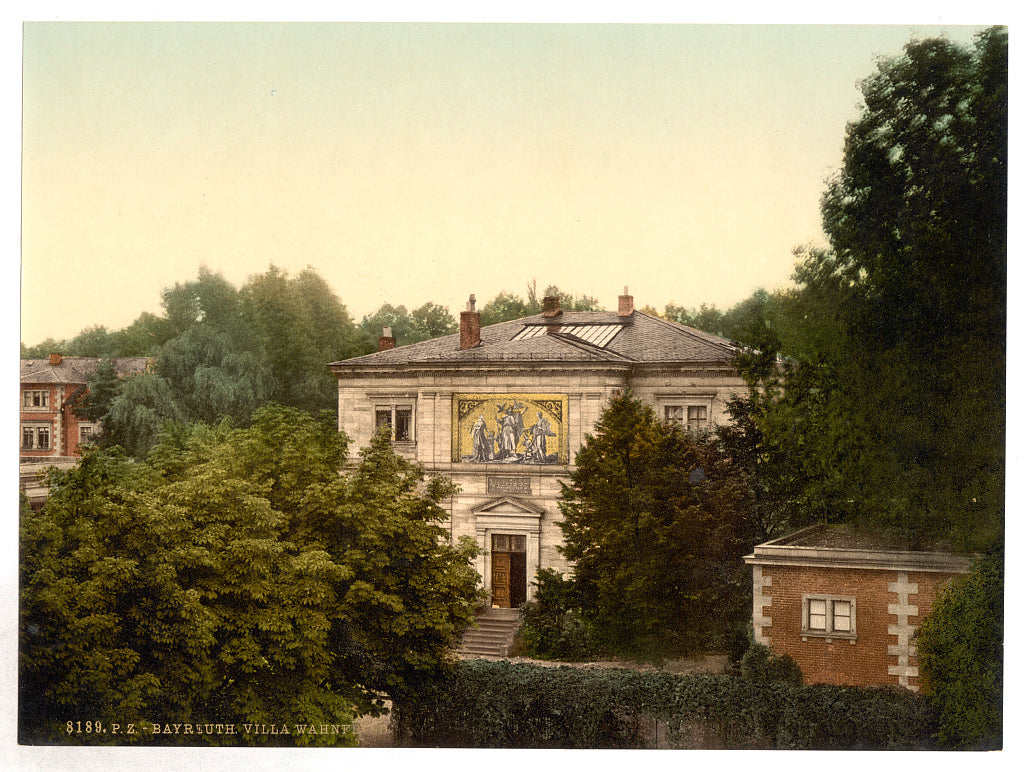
(656, 523)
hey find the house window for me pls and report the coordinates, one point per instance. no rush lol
(398, 418)
(696, 417)
(85, 434)
(37, 398)
(829, 616)
(693, 417)
(35, 437)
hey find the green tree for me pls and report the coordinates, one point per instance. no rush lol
(146, 335)
(403, 328)
(238, 576)
(103, 387)
(897, 416)
(94, 341)
(960, 649)
(297, 326)
(432, 321)
(504, 308)
(656, 524)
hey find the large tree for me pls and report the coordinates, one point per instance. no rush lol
(896, 419)
(238, 576)
(656, 523)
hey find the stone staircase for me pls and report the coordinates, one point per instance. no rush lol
(492, 634)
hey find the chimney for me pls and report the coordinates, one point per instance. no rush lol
(625, 303)
(387, 341)
(551, 307)
(469, 326)
(55, 359)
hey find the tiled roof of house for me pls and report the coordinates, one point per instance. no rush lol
(76, 369)
(572, 336)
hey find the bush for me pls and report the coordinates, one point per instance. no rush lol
(500, 705)
(960, 650)
(551, 628)
(761, 666)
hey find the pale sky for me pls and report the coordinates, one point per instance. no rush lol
(409, 163)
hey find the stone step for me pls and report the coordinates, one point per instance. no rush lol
(492, 633)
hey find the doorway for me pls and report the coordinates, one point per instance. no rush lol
(508, 570)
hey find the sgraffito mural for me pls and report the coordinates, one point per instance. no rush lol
(510, 428)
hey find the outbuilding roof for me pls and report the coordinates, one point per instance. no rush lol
(572, 336)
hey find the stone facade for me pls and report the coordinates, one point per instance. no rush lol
(503, 409)
(844, 610)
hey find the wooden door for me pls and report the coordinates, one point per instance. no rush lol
(501, 569)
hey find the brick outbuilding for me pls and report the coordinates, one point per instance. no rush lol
(845, 605)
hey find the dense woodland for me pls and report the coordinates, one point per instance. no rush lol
(877, 395)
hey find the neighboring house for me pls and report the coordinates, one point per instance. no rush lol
(51, 389)
(503, 409)
(845, 605)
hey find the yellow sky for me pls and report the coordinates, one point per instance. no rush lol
(409, 163)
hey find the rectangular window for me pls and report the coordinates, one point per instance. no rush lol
(696, 417)
(504, 542)
(398, 418)
(816, 614)
(35, 437)
(693, 417)
(85, 434)
(829, 615)
(37, 398)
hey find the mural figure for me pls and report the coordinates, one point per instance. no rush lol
(511, 430)
(538, 445)
(483, 441)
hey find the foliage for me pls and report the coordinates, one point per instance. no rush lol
(508, 306)
(960, 651)
(428, 321)
(236, 577)
(759, 665)
(502, 705)
(892, 413)
(103, 386)
(553, 627)
(224, 352)
(656, 524)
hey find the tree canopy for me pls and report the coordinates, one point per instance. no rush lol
(236, 577)
(656, 524)
(890, 408)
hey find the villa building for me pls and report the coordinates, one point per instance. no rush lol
(502, 410)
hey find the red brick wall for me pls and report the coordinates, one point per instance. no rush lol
(863, 662)
(67, 431)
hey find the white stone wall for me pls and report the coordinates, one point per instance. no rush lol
(588, 393)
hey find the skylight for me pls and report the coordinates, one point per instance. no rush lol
(597, 334)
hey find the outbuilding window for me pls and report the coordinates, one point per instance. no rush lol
(829, 616)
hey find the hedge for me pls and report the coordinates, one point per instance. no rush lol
(498, 704)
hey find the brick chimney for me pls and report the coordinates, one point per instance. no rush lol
(625, 303)
(387, 341)
(469, 326)
(55, 359)
(552, 307)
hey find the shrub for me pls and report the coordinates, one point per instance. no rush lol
(551, 628)
(501, 705)
(960, 650)
(761, 666)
